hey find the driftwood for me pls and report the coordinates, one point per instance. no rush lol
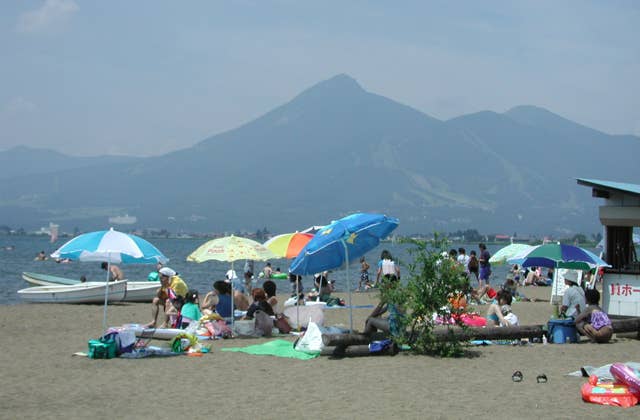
(356, 351)
(475, 333)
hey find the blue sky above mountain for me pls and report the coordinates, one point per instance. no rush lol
(149, 77)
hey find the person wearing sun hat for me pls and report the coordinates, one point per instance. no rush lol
(573, 300)
(171, 286)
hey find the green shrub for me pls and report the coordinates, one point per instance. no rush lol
(431, 282)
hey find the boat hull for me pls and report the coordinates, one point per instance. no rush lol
(89, 292)
(137, 291)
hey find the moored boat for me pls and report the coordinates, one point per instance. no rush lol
(89, 292)
(137, 291)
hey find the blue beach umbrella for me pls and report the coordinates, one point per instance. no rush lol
(342, 241)
(113, 247)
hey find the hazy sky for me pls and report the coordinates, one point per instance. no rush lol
(148, 77)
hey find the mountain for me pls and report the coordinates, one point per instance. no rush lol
(336, 149)
(22, 160)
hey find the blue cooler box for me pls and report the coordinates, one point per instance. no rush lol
(561, 331)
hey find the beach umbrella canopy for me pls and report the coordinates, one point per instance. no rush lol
(312, 229)
(342, 241)
(558, 256)
(288, 245)
(231, 248)
(113, 247)
(507, 252)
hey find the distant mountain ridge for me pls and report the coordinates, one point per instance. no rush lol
(22, 160)
(335, 149)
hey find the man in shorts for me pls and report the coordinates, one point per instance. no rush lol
(485, 265)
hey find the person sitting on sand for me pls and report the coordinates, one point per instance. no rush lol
(269, 287)
(322, 291)
(532, 277)
(219, 299)
(171, 285)
(593, 321)
(391, 324)
(173, 312)
(115, 274)
(573, 300)
(511, 285)
(500, 314)
(296, 285)
(259, 303)
(191, 309)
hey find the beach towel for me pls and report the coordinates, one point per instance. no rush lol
(278, 348)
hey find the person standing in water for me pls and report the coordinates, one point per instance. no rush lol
(364, 275)
(115, 274)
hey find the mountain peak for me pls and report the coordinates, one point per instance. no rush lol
(341, 85)
(342, 81)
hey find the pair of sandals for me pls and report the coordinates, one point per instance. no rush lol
(517, 377)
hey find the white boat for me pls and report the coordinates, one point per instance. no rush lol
(137, 291)
(89, 292)
(123, 220)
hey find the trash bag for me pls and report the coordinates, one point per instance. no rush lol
(311, 341)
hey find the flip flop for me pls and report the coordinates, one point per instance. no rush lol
(541, 379)
(517, 376)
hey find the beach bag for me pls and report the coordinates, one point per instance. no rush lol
(282, 324)
(103, 348)
(311, 341)
(263, 324)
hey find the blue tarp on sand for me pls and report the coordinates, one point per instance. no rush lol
(279, 348)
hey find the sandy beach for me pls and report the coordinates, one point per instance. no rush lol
(42, 378)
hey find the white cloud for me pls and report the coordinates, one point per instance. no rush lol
(19, 105)
(52, 12)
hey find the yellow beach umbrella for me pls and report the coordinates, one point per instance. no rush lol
(231, 248)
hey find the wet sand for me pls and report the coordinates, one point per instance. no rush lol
(42, 379)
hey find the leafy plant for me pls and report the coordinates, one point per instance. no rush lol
(434, 283)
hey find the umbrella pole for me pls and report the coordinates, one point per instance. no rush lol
(346, 255)
(298, 302)
(233, 296)
(106, 297)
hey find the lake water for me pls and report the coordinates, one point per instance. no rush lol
(197, 275)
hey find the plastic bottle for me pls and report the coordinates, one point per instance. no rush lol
(544, 339)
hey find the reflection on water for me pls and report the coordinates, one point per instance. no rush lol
(199, 276)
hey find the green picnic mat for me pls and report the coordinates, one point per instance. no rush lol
(279, 348)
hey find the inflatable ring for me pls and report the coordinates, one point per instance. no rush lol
(280, 276)
(626, 376)
(607, 393)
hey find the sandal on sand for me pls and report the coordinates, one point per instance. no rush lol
(542, 379)
(517, 376)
